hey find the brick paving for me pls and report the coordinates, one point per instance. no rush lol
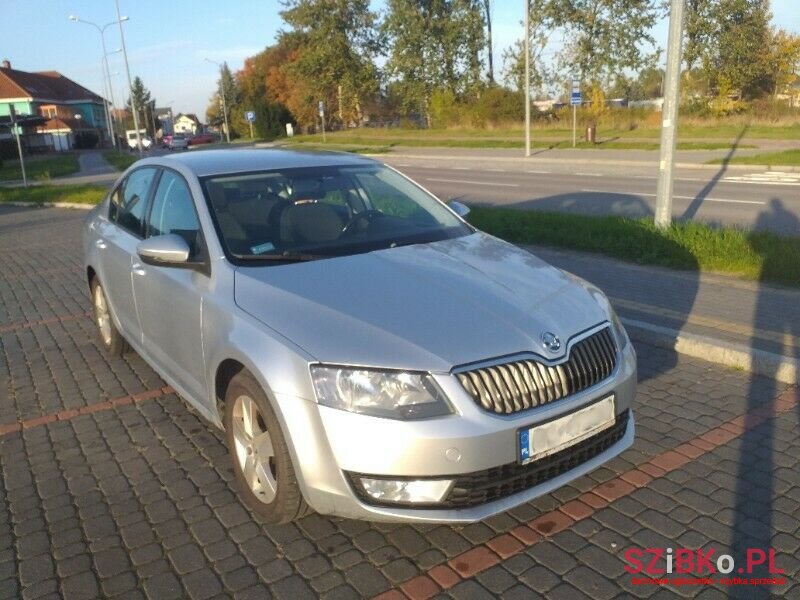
(111, 487)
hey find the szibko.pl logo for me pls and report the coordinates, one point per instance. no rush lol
(705, 566)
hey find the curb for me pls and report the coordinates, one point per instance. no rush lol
(50, 205)
(760, 362)
(606, 162)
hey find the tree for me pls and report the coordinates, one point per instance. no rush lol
(605, 37)
(514, 57)
(433, 46)
(729, 41)
(144, 104)
(229, 86)
(341, 41)
(784, 58)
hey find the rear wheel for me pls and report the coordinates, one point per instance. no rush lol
(261, 462)
(110, 338)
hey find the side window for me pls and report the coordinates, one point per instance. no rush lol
(128, 201)
(173, 211)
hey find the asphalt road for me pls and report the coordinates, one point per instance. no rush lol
(757, 199)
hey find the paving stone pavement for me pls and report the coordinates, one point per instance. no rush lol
(110, 486)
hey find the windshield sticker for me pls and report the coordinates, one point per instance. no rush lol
(261, 248)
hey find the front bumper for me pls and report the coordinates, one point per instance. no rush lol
(329, 443)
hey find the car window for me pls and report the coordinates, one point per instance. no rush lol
(173, 210)
(129, 200)
(330, 211)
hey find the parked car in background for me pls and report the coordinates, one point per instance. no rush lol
(130, 135)
(367, 351)
(201, 138)
(166, 140)
(178, 142)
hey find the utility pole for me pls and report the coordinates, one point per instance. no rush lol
(669, 115)
(527, 77)
(130, 84)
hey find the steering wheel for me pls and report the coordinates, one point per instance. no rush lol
(365, 215)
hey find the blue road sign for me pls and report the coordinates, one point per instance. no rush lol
(575, 99)
(250, 116)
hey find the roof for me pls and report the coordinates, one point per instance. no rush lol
(45, 85)
(190, 116)
(218, 162)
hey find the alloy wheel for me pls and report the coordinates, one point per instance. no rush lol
(255, 454)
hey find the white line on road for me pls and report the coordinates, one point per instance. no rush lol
(724, 200)
(540, 172)
(589, 174)
(472, 182)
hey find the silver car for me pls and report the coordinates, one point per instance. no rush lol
(367, 352)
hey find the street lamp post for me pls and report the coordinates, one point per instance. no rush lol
(527, 45)
(104, 67)
(224, 104)
(128, 73)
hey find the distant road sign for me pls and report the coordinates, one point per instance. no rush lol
(250, 116)
(575, 98)
(321, 108)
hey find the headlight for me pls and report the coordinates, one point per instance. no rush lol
(390, 394)
(619, 329)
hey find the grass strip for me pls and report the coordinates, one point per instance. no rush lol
(687, 245)
(120, 160)
(787, 158)
(40, 168)
(78, 194)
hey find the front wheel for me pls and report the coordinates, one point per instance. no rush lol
(110, 338)
(261, 461)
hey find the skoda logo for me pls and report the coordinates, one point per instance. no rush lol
(551, 341)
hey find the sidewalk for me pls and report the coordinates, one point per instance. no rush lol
(745, 325)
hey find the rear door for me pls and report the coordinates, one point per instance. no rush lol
(119, 236)
(170, 298)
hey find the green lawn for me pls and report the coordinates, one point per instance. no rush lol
(40, 168)
(772, 159)
(422, 139)
(120, 160)
(78, 194)
(692, 246)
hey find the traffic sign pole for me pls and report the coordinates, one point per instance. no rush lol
(250, 116)
(13, 114)
(574, 125)
(322, 118)
(575, 99)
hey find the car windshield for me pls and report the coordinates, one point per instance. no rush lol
(309, 213)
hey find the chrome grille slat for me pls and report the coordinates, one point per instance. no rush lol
(520, 385)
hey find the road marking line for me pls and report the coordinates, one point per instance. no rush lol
(497, 170)
(49, 321)
(649, 195)
(71, 413)
(514, 185)
(481, 557)
(540, 172)
(589, 174)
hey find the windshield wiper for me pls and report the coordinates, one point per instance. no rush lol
(285, 257)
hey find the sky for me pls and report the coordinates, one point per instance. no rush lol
(168, 41)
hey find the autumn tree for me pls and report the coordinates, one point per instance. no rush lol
(784, 59)
(336, 63)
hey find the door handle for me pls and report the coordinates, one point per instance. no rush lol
(138, 269)
(100, 244)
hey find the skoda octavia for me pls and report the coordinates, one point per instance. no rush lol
(367, 352)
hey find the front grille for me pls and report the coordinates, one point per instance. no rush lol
(516, 386)
(481, 487)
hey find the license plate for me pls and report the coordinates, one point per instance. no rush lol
(548, 438)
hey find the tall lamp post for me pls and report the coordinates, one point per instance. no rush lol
(104, 65)
(224, 103)
(130, 84)
(527, 45)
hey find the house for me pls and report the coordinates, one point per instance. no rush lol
(69, 112)
(187, 124)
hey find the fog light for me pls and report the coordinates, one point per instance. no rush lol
(410, 491)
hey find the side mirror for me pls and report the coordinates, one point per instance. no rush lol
(461, 209)
(166, 250)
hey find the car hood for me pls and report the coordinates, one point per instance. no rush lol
(427, 307)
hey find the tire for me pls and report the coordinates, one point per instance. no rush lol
(262, 465)
(108, 335)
